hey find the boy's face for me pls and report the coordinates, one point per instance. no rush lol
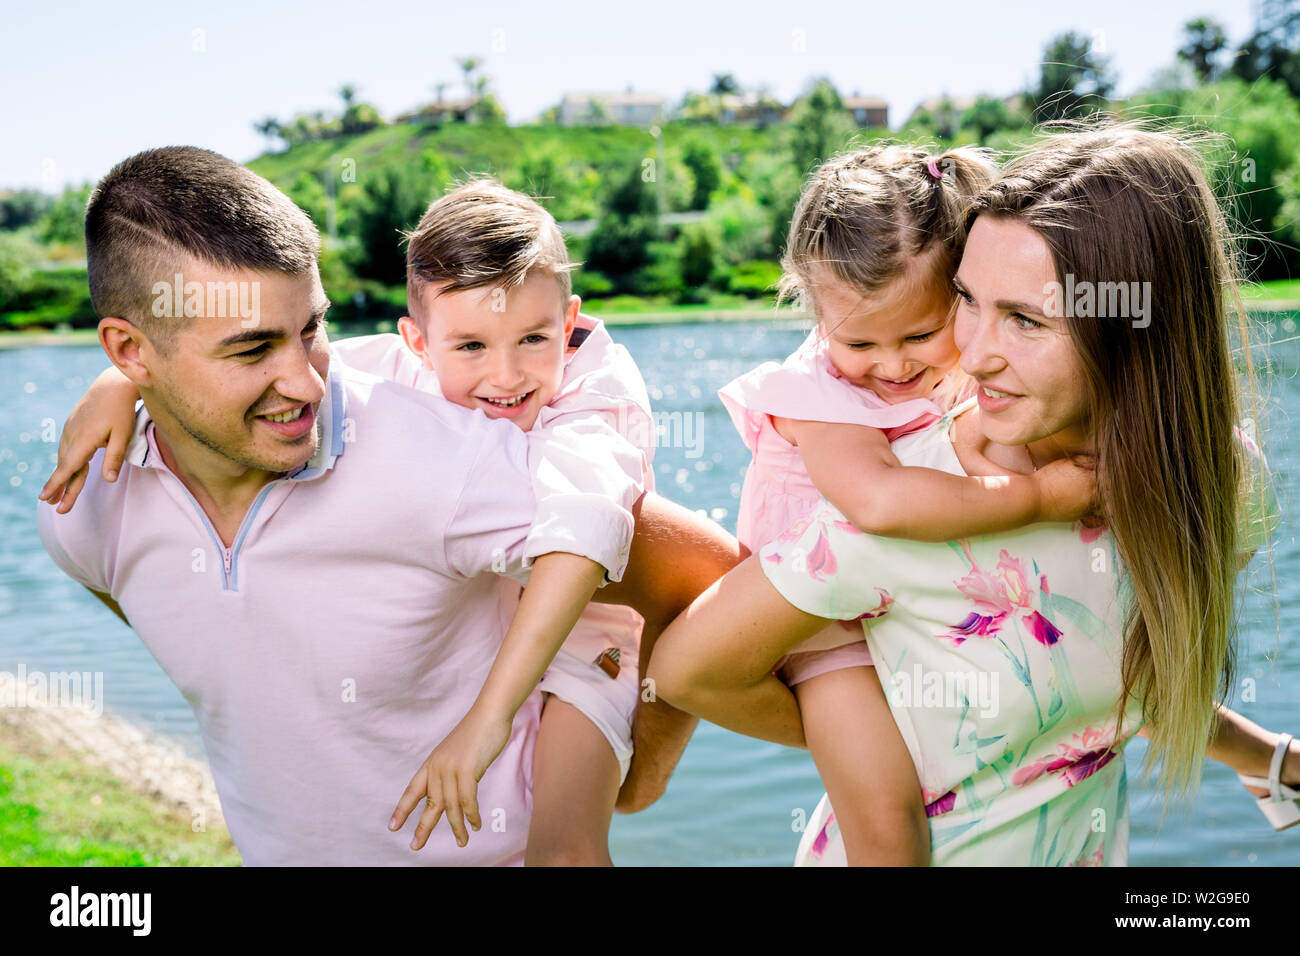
(499, 351)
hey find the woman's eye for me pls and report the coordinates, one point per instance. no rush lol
(965, 297)
(1024, 322)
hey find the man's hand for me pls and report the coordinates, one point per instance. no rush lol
(450, 776)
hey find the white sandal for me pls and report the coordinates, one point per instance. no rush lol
(1282, 805)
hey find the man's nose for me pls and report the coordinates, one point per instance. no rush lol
(299, 380)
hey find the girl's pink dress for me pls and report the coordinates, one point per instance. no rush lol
(778, 493)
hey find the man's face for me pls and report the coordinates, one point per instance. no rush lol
(498, 351)
(239, 398)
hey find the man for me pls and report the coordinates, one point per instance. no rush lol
(306, 550)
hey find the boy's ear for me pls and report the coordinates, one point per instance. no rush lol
(571, 316)
(127, 348)
(414, 339)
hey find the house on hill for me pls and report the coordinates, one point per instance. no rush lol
(867, 110)
(628, 108)
(442, 111)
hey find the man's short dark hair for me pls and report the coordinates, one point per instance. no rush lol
(161, 206)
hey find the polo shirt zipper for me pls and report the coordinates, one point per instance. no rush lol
(229, 556)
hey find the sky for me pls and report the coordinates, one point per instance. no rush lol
(84, 85)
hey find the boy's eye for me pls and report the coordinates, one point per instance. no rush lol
(469, 347)
(533, 339)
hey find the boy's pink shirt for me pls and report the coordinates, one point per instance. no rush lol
(589, 452)
(348, 627)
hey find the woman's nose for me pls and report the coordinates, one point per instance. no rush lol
(976, 339)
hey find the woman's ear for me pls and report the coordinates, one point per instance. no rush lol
(128, 349)
(414, 339)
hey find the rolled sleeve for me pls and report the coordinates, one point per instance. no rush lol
(492, 518)
(586, 479)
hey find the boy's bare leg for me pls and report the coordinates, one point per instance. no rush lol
(676, 554)
(575, 784)
(866, 768)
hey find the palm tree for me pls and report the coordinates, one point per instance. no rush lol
(467, 66)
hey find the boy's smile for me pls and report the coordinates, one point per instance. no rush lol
(502, 352)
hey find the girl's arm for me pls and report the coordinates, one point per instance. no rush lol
(558, 590)
(105, 416)
(855, 470)
(1247, 747)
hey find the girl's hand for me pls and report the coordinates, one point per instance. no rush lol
(105, 417)
(1067, 489)
(450, 776)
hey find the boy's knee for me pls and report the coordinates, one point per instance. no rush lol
(567, 853)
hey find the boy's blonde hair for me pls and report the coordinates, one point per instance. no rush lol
(873, 215)
(483, 234)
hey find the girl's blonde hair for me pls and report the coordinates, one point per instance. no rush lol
(1124, 204)
(876, 214)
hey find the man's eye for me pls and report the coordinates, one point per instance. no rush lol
(255, 353)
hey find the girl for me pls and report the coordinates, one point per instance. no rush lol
(873, 244)
(1086, 634)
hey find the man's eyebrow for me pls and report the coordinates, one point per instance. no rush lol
(268, 335)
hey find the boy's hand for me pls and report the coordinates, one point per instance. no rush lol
(104, 417)
(1067, 489)
(450, 776)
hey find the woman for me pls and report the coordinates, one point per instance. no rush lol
(1018, 666)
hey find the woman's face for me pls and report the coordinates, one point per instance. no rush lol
(1031, 385)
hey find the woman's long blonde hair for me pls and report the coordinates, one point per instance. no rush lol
(1124, 204)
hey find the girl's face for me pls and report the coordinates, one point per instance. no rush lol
(898, 344)
(1031, 385)
(502, 352)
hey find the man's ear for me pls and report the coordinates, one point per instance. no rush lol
(128, 348)
(414, 339)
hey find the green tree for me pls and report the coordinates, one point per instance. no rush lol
(723, 83)
(1203, 41)
(706, 170)
(619, 247)
(820, 126)
(395, 199)
(1274, 47)
(65, 222)
(23, 207)
(1073, 80)
(988, 115)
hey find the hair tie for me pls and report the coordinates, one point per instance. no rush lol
(933, 167)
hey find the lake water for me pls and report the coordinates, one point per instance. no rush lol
(733, 800)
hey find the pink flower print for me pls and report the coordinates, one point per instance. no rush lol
(1096, 858)
(1074, 763)
(1012, 573)
(886, 601)
(821, 560)
(796, 530)
(942, 805)
(1044, 631)
(975, 625)
(824, 837)
(986, 592)
(1042, 585)
(1089, 535)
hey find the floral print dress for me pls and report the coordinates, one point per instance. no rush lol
(1000, 659)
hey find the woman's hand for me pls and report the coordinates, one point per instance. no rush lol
(104, 418)
(450, 776)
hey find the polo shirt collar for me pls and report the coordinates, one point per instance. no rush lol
(330, 417)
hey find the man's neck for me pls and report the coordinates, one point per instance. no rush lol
(223, 489)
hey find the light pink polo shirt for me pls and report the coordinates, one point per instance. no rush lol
(346, 630)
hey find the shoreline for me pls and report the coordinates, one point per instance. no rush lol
(146, 762)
